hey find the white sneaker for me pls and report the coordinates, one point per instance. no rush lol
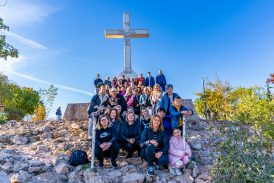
(178, 171)
(172, 170)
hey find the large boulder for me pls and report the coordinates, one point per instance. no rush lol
(76, 112)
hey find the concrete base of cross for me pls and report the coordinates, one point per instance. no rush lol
(129, 73)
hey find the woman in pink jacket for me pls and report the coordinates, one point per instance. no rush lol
(179, 152)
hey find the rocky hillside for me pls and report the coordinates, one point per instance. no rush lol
(39, 152)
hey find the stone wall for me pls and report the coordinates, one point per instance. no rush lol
(78, 111)
(75, 112)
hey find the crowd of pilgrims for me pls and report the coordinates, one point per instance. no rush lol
(140, 115)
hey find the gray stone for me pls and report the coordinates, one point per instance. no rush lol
(7, 167)
(195, 146)
(36, 163)
(185, 178)
(19, 166)
(42, 149)
(91, 177)
(49, 177)
(62, 168)
(4, 178)
(22, 176)
(75, 126)
(133, 177)
(34, 169)
(19, 140)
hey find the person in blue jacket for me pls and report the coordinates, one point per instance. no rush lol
(168, 98)
(149, 80)
(177, 111)
(97, 80)
(155, 145)
(161, 80)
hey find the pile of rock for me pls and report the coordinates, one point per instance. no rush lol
(39, 152)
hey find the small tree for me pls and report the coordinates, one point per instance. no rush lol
(47, 97)
(39, 113)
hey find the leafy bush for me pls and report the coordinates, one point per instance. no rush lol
(3, 117)
(17, 100)
(14, 113)
(39, 113)
(244, 105)
(243, 157)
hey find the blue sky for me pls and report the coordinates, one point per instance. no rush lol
(62, 42)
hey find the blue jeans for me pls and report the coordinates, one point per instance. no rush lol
(148, 153)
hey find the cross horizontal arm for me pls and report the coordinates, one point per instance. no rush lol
(114, 33)
(139, 33)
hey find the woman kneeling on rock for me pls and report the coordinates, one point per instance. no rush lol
(131, 134)
(106, 141)
(155, 145)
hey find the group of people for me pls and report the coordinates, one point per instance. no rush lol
(139, 115)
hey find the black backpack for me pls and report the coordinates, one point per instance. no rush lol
(78, 157)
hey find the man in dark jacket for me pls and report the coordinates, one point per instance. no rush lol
(168, 98)
(98, 101)
(149, 80)
(117, 99)
(97, 80)
(161, 80)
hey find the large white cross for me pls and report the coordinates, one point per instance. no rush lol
(127, 33)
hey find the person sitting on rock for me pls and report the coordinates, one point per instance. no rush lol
(131, 134)
(117, 99)
(106, 141)
(155, 145)
(144, 118)
(98, 102)
(116, 123)
(166, 121)
(177, 110)
(145, 98)
(179, 152)
(168, 98)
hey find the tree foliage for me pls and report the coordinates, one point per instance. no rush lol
(39, 113)
(47, 97)
(5, 48)
(18, 101)
(245, 105)
(243, 157)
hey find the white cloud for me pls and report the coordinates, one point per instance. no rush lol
(48, 83)
(18, 12)
(23, 40)
(12, 63)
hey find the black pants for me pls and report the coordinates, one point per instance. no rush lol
(112, 152)
(148, 153)
(131, 148)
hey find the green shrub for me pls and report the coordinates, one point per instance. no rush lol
(3, 117)
(14, 113)
(242, 158)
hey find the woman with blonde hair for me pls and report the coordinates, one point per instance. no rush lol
(129, 97)
(155, 145)
(156, 97)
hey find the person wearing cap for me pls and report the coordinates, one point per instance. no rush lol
(117, 99)
(161, 80)
(168, 98)
(97, 80)
(98, 101)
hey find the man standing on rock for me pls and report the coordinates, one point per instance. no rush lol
(97, 80)
(98, 102)
(161, 80)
